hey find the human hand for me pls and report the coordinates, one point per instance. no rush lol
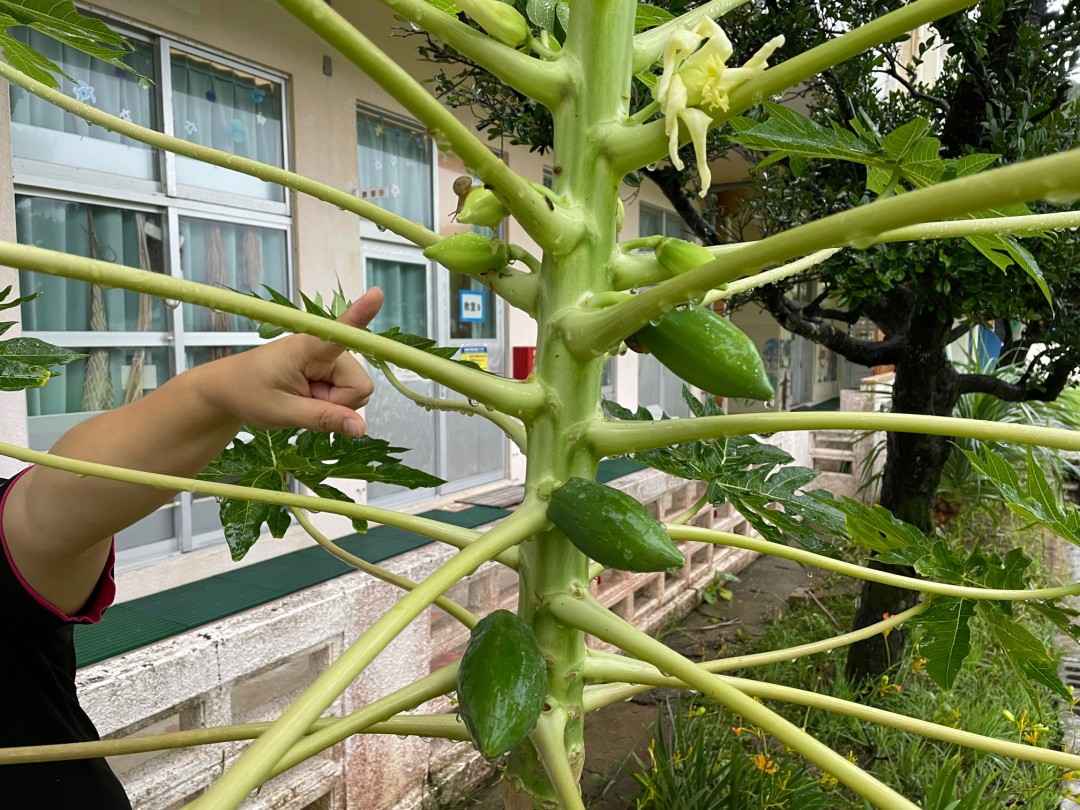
(298, 381)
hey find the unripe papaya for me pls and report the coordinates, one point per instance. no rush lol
(502, 683)
(708, 351)
(677, 255)
(501, 21)
(611, 527)
(481, 207)
(469, 253)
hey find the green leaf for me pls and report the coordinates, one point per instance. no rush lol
(1025, 653)
(793, 133)
(271, 457)
(754, 477)
(973, 164)
(541, 13)
(923, 166)
(25, 362)
(62, 21)
(946, 637)
(898, 142)
(650, 16)
(1033, 500)
(1060, 617)
(875, 528)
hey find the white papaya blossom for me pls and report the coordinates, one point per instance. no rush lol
(696, 81)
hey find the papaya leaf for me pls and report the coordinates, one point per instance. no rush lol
(338, 305)
(1032, 500)
(900, 141)
(753, 476)
(792, 133)
(1060, 617)
(876, 529)
(541, 13)
(648, 16)
(270, 458)
(62, 21)
(1025, 653)
(946, 637)
(26, 362)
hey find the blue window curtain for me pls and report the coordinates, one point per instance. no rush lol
(110, 89)
(395, 164)
(405, 286)
(225, 254)
(216, 106)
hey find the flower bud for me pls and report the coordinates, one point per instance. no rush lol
(501, 21)
(677, 255)
(469, 253)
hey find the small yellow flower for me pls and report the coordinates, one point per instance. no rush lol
(736, 730)
(851, 757)
(828, 780)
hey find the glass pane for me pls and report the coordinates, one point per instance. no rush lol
(215, 105)
(477, 305)
(405, 287)
(94, 231)
(106, 378)
(41, 131)
(650, 221)
(395, 168)
(226, 254)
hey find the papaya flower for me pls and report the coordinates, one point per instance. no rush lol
(696, 83)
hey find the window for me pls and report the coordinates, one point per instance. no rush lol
(395, 167)
(88, 192)
(193, 95)
(658, 222)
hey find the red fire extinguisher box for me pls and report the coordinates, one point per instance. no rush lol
(524, 356)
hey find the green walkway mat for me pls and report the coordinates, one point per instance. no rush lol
(143, 621)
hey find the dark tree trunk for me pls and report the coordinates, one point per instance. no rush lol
(925, 383)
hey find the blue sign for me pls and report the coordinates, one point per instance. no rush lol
(471, 306)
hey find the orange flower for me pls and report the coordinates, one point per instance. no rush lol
(764, 765)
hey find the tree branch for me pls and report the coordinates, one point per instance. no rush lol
(669, 181)
(1049, 388)
(864, 352)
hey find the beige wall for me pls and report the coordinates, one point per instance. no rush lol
(12, 404)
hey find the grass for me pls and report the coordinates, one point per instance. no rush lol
(703, 758)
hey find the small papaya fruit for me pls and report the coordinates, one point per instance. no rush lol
(469, 253)
(611, 527)
(708, 351)
(481, 207)
(502, 683)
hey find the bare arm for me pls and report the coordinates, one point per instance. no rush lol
(58, 526)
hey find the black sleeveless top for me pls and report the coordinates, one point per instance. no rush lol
(38, 702)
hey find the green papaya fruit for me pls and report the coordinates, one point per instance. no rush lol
(481, 207)
(612, 528)
(502, 683)
(708, 351)
(469, 253)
